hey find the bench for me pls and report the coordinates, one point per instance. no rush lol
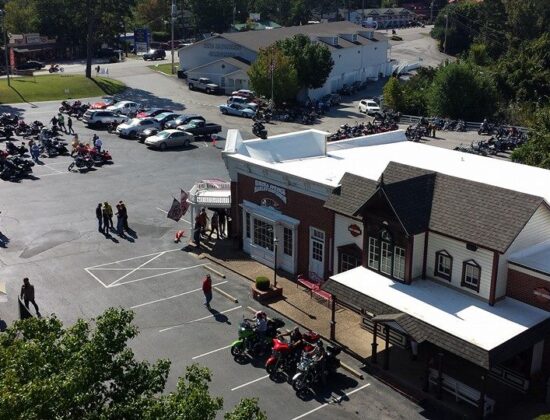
(314, 288)
(462, 391)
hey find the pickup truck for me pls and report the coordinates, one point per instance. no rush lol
(199, 128)
(204, 84)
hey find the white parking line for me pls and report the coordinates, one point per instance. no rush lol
(172, 297)
(199, 319)
(156, 275)
(249, 383)
(133, 258)
(136, 269)
(210, 352)
(95, 277)
(325, 404)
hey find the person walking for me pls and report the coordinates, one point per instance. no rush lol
(70, 125)
(214, 225)
(54, 122)
(222, 218)
(105, 217)
(27, 294)
(207, 290)
(99, 216)
(35, 152)
(61, 122)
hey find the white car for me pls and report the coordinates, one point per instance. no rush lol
(136, 126)
(368, 106)
(169, 138)
(124, 107)
(242, 101)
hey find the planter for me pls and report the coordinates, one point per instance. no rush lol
(266, 295)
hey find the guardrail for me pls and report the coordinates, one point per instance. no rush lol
(470, 125)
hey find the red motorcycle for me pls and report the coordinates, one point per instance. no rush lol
(100, 158)
(285, 355)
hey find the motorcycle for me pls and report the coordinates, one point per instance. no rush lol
(55, 68)
(81, 162)
(309, 371)
(258, 129)
(100, 158)
(25, 165)
(12, 149)
(6, 132)
(8, 119)
(284, 356)
(248, 341)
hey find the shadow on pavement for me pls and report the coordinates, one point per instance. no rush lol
(12, 109)
(148, 100)
(219, 316)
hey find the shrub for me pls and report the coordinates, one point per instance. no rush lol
(262, 283)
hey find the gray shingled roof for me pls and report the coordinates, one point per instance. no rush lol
(421, 331)
(254, 40)
(352, 193)
(483, 214)
(486, 215)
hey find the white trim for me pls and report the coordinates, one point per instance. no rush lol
(513, 266)
(270, 215)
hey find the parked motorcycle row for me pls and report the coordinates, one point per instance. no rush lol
(494, 145)
(383, 122)
(75, 109)
(302, 360)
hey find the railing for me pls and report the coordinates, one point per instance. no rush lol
(470, 125)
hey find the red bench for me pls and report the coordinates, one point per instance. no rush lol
(314, 288)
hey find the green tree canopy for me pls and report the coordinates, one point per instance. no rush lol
(312, 61)
(393, 94)
(536, 151)
(285, 78)
(88, 371)
(211, 15)
(460, 90)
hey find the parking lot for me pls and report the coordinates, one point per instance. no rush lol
(50, 224)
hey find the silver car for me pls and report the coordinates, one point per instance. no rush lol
(169, 138)
(136, 126)
(100, 118)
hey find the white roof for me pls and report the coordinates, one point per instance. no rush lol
(449, 310)
(302, 154)
(536, 257)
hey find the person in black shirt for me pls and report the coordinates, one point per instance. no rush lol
(27, 294)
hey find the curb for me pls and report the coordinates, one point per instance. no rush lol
(227, 295)
(213, 270)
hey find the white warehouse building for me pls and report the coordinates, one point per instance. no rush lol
(358, 53)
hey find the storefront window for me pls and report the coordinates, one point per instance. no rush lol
(263, 234)
(399, 263)
(247, 217)
(386, 258)
(347, 262)
(287, 242)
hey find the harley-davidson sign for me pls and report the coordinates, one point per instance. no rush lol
(354, 230)
(273, 189)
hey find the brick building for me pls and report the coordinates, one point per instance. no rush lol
(440, 250)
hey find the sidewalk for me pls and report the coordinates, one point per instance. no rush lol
(297, 304)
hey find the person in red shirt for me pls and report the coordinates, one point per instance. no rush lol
(207, 290)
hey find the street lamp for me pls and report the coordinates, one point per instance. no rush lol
(275, 244)
(4, 30)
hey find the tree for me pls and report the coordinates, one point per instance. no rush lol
(246, 410)
(393, 94)
(153, 14)
(460, 90)
(211, 15)
(21, 16)
(312, 61)
(88, 371)
(285, 78)
(536, 151)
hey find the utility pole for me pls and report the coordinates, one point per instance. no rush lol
(431, 12)
(4, 30)
(272, 67)
(173, 19)
(446, 27)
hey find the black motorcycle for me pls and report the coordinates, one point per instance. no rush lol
(309, 371)
(6, 132)
(12, 149)
(81, 162)
(25, 165)
(258, 129)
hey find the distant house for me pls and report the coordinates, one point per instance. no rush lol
(254, 26)
(32, 46)
(386, 18)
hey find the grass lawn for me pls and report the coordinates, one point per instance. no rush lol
(58, 86)
(165, 68)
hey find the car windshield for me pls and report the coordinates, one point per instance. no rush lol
(163, 134)
(163, 115)
(134, 121)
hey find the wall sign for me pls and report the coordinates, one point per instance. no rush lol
(542, 294)
(354, 230)
(273, 189)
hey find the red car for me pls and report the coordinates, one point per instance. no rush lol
(152, 112)
(104, 103)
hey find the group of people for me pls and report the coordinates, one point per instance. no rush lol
(78, 147)
(217, 224)
(104, 215)
(58, 122)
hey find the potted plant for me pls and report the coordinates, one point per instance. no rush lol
(262, 289)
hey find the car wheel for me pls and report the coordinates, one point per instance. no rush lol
(224, 111)
(191, 87)
(208, 91)
(163, 146)
(132, 134)
(186, 143)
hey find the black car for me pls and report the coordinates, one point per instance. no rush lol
(31, 65)
(155, 55)
(183, 119)
(147, 133)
